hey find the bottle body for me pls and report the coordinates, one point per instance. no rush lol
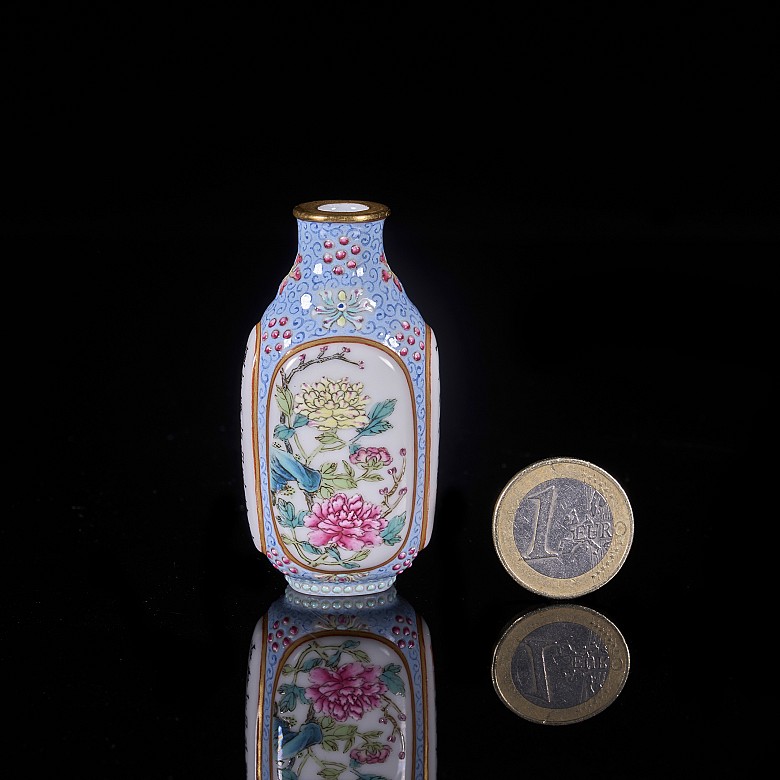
(340, 411)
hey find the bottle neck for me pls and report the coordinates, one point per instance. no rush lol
(341, 251)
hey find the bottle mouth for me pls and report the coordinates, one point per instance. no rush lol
(341, 211)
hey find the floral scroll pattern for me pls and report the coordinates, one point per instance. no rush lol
(336, 714)
(336, 488)
(343, 308)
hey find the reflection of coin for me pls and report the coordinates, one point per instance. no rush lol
(560, 664)
(562, 527)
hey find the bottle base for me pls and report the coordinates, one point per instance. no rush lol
(353, 604)
(340, 588)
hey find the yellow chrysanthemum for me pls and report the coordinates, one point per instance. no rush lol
(333, 403)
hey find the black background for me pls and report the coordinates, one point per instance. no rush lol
(584, 208)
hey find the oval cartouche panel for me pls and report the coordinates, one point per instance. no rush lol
(342, 454)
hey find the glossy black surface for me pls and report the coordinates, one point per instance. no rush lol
(595, 274)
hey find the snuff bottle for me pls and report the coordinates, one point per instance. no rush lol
(340, 411)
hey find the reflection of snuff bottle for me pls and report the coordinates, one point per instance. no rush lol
(340, 411)
(343, 686)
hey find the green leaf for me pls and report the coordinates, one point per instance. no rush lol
(286, 513)
(290, 694)
(300, 420)
(376, 420)
(329, 438)
(391, 679)
(344, 731)
(359, 655)
(331, 444)
(330, 771)
(310, 548)
(391, 532)
(381, 410)
(328, 468)
(283, 432)
(348, 469)
(307, 666)
(340, 481)
(285, 400)
(300, 518)
(329, 743)
(374, 427)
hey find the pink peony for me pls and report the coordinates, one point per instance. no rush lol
(346, 692)
(370, 754)
(351, 523)
(373, 457)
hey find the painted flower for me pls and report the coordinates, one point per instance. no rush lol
(372, 457)
(370, 754)
(340, 307)
(341, 622)
(351, 523)
(333, 403)
(346, 692)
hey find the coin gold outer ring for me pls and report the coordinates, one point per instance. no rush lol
(611, 638)
(509, 502)
(310, 211)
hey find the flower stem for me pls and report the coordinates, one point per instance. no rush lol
(396, 483)
(319, 359)
(396, 727)
(299, 547)
(306, 458)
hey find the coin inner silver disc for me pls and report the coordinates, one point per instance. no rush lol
(563, 528)
(560, 665)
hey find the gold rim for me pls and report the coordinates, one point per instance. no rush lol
(331, 211)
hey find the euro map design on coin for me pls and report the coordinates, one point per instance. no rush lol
(562, 527)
